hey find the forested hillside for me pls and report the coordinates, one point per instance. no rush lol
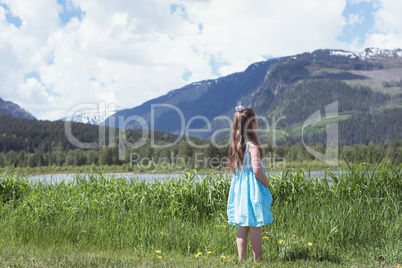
(306, 83)
(35, 143)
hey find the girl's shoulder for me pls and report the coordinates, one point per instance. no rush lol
(251, 144)
(251, 147)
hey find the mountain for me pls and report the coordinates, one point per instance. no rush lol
(10, 108)
(208, 98)
(89, 116)
(366, 85)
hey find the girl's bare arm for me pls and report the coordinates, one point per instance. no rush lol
(256, 163)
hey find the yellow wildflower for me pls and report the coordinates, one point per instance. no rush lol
(159, 257)
(199, 253)
(223, 226)
(140, 239)
(158, 252)
(294, 243)
(161, 232)
(204, 257)
(398, 266)
(83, 231)
(281, 242)
(310, 244)
(265, 237)
(294, 235)
(223, 257)
(209, 252)
(166, 234)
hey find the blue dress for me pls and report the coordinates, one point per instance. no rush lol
(249, 201)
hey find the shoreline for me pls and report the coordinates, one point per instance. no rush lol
(133, 173)
(124, 169)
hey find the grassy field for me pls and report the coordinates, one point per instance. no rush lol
(99, 221)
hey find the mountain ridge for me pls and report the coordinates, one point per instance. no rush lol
(187, 97)
(274, 88)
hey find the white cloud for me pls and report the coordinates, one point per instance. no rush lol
(127, 52)
(36, 92)
(355, 19)
(354, 2)
(243, 31)
(387, 32)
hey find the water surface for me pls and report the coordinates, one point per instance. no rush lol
(152, 177)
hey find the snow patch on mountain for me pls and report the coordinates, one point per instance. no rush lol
(368, 53)
(90, 115)
(342, 53)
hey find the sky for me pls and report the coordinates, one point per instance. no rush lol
(56, 54)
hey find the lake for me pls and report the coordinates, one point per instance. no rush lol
(152, 177)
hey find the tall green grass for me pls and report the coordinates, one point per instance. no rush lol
(355, 217)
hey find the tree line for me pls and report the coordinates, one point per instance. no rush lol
(184, 154)
(35, 143)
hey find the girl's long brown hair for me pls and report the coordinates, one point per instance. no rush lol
(241, 133)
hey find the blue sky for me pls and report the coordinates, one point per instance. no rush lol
(16, 21)
(58, 53)
(361, 19)
(69, 11)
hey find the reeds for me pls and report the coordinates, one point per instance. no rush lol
(354, 215)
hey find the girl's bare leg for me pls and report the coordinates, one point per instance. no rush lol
(242, 235)
(256, 242)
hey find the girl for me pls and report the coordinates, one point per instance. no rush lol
(249, 197)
